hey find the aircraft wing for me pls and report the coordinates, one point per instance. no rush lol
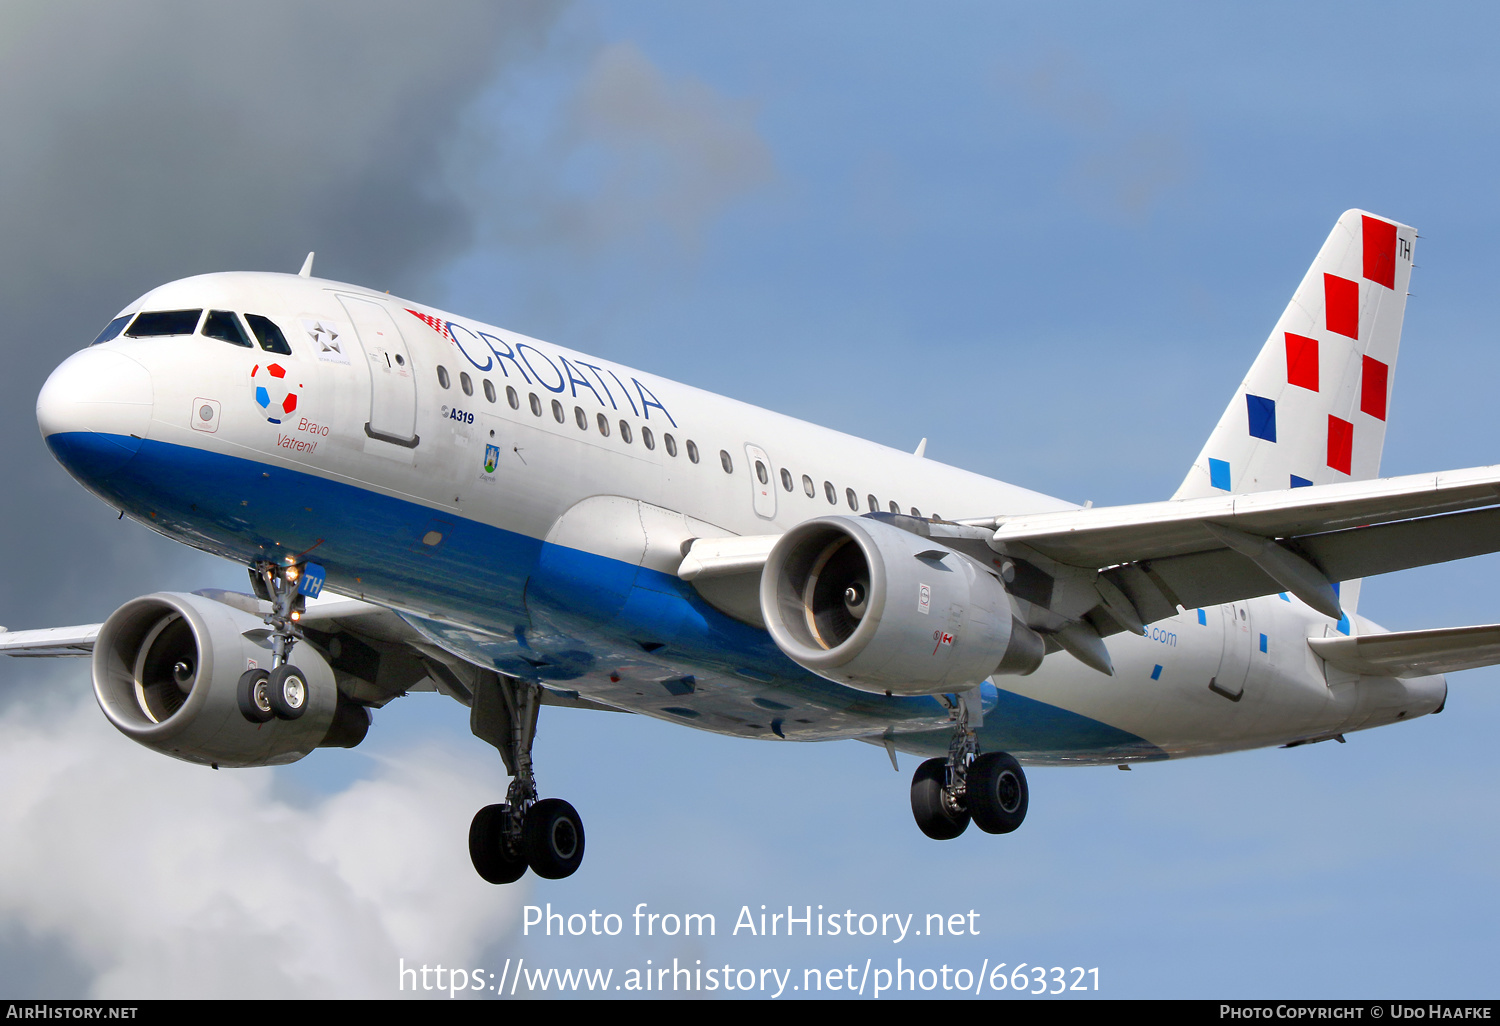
(1199, 552)
(1413, 653)
(50, 641)
(329, 610)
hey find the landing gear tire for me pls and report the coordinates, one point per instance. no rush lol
(553, 839)
(487, 848)
(286, 688)
(254, 699)
(997, 793)
(937, 814)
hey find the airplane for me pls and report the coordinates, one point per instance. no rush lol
(426, 502)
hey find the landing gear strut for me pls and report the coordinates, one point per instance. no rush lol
(545, 834)
(990, 789)
(281, 692)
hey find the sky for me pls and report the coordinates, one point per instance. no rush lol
(1048, 238)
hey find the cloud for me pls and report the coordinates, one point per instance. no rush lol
(1123, 163)
(634, 151)
(187, 136)
(148, 878)
(151, 141)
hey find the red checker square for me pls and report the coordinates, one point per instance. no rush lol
(1341, 300)
(290, 404)
(277, 370)
(1380, 252)
(1340, 444)
(1302, 361)
(1373, 387)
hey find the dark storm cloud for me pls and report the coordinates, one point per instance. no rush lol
(147, 142)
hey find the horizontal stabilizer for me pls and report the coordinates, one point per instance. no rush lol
(1412, 653)
(50, 642)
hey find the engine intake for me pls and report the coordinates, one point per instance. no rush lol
(165, 671)
(864, 603)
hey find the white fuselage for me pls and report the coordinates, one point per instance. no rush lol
(466, 427)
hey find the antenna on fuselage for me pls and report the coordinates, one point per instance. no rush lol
(306, 271)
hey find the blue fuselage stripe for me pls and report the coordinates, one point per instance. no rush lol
(542, 611)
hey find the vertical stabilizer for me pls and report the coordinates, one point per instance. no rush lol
(1313, 408)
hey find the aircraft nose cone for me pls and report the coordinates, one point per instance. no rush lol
(94, 411)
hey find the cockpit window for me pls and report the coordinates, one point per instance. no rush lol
(111, 330)
(270, 336)
(225, 326)
(164, 322)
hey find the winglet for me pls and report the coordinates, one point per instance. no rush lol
(921, 448)
(306, 271)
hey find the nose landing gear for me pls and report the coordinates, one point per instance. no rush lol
(543, 834)
(947, 793)
(280, 693)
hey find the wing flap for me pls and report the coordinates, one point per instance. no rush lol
(1412, 653)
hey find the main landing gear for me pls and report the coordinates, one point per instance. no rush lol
(545, 834)
(990, 789)
(281, 692)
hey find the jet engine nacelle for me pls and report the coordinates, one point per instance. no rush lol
(864, 603)
(166, 668)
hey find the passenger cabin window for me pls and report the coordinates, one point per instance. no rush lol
(581, 418)
(536, 405)
(761, 474)
(512, 398)
(465, 382)
(670, 443)
(443, 376)
(225, 326)
(832, 493)
(786, 479)
(726, 462)
(625, 431)
(164, 322)
(112, 329)
(915, 512)
(853, 499)
(557, 412)
(270, 337)
(874, 503)
(489, 390)
(692, 448)
(647, 438)
(895, 507)
(604, 425)
(808, 486)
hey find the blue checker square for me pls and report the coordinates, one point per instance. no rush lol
(1218, 473)
(1300, 482)
(1203, 618)
(1262, 416)
(1262, 642)
(1156, 673)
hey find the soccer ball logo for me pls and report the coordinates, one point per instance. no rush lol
(274, 393)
